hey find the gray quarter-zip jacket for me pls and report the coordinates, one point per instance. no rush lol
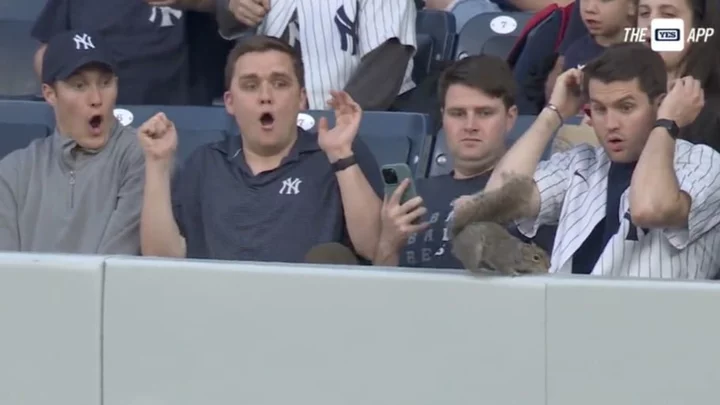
(56, 197)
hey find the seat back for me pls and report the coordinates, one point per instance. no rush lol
(393, 137)
(195, 125)
(481, 28)
(441, 27)
(17, 53)
(442, 163)
(423, 57)
(23, 121)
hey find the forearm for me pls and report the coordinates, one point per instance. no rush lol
(385, 255)
(655, 194)
(523, 157)
(159, 234)
(361, 207)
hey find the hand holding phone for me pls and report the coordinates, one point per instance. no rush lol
(393, 175)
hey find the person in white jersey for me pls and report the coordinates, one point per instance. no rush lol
(364, 47)
(644, 203)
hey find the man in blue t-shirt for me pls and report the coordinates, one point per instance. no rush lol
(478, 112)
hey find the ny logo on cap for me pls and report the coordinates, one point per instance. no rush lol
(83, 41)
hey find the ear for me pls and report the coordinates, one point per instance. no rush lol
(512, 114)
(228, 99)
(49, 94)
(303, 100)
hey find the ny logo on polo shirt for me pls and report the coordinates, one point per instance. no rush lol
(290, 186)
(84, 41)
(166, 14)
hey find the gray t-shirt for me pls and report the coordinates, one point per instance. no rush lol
(58, 198)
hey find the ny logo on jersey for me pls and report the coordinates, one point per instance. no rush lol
(290, 186)
(83, 41)
(166, 14)
(294, 32)
(348, 30)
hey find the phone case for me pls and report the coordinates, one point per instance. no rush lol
(403, 172)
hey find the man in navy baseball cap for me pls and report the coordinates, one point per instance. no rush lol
(70, 51)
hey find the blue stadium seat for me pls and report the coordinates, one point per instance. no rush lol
(23, 121)
(440, 25)
(25, 10)
(195, 125)
(17, 51)
(393, 137)
(441, 162)
(475, 35)
(423, 57)
(529, 68)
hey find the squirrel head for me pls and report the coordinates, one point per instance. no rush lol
(534, 259)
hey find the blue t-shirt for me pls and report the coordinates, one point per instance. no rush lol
(582, 51)
(430, 249)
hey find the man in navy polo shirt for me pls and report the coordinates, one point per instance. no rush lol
(273, 192)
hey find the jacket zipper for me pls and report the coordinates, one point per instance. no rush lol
(72, 188)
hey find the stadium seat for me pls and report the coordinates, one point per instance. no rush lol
(476, 33)
(440, 26)
(195, 125)
(423, 57)
(17, 51)
(21, 122)
(393, 137)
(499, 46)
(441, 162)
(530, 67)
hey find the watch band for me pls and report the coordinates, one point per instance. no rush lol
(669, 125)
(343, 163)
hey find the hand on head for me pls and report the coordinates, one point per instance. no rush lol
(567, 94)
(683, 102)
(399, 221)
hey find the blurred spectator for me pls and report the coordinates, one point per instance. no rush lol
(605, 21)
(463, 10)
(478, 112)
(645, 204)
(700, 60)
(80, 189)
(274, 191)
(365, 48)
(148, 42)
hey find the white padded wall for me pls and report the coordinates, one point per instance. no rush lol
(50, 323)
(188, 333)
(632, 342)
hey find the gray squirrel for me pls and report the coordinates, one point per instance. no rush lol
(480, 239)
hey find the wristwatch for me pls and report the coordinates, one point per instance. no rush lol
(669, 125)
(343, 163)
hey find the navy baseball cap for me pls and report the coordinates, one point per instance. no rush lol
(68, 51)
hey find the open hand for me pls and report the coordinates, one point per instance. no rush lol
(683, 102)
(337, 142)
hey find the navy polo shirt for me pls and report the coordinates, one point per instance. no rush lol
(582, 51)
(148, 44)
(226, 212)
(432, 248)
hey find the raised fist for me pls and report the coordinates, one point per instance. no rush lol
(158, 138)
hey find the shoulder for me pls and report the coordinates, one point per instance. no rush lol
(127, 146)
(697, 154)
(579, 156)
(16, 161)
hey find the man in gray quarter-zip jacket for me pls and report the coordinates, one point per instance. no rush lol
(80, 189)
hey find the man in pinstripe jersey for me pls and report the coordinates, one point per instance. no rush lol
(364, 47)
(642, 204)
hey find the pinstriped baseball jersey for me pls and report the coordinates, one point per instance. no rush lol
(573, 188)
(336, 34)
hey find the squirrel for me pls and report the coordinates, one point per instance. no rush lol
(480, 239)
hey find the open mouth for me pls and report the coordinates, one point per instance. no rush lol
(267, 119)
(95, 122)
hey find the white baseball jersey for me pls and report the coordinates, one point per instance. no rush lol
(573, 189)
(335, 35)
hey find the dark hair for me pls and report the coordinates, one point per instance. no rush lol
(262, 43)
(703, 58)
(486, 73)
(625, 62)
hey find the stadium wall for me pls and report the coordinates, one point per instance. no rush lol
(83, 330)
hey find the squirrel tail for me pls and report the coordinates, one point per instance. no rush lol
(503, 205)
